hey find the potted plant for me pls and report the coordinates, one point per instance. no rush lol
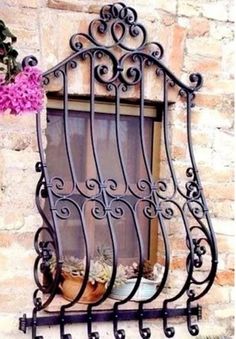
(73, 270)
(152, 275)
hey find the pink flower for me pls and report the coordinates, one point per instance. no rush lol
(23, 95)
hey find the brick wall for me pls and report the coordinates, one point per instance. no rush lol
(197, 36)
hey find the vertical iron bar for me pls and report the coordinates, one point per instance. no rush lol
(193, 328)
(145, 332)
(141, 122)
(104, 197)
(57, 238)
(84, 228)
(117, 113)
(66, 126)
(166, 135)
(196, 173)
(120, 333)
(169, 331)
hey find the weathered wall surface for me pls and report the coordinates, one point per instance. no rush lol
(197, 37)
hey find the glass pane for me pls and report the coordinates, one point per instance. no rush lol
(94, 154)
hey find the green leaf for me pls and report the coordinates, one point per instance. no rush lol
(8, 34)
(8, 54)
(13, 53)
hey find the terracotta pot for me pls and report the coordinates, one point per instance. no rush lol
(71, 286)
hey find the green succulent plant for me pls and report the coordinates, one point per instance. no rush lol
(100, 268)
(71, 265)
(101, 272)
(132, 271)
(104, 254)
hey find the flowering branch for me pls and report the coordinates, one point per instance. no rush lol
(21, 90)
(25, 94)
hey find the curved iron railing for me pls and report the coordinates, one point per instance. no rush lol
(117, 76)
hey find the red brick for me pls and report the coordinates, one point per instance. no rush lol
(178, 263)
(176, 55)
(222, 191)
(203, 65)
(179, 152)
(5, 239)
(168, 19)
(208, 100)
(198, 27)
(66, 5)
(225, 278)
(178, 244)
(94, 8)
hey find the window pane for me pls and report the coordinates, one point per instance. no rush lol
(98, 155)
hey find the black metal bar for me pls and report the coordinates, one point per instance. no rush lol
(104, 197)
(100, 316)
(118, 142)
(56, 238)
(203, 199)
(166, 137)
(141, 122)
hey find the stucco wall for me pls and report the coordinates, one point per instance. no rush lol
(197, 37)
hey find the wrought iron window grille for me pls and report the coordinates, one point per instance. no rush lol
(117, 79)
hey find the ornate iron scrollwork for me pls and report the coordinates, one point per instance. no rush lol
(158, 199)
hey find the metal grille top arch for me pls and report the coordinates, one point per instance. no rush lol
(118, 55)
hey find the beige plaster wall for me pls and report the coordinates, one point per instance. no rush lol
(197, 36)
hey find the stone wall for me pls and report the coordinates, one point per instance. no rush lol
(197, 37)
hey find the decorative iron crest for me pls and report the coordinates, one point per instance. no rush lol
(119, 22)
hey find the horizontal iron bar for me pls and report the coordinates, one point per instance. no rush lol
(107, 315)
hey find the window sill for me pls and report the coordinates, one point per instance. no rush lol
(59, 301)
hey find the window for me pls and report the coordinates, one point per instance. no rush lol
(106, 139)
(98, 180)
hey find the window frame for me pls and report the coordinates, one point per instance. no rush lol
(127, 108)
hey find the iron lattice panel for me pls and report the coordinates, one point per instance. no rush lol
(117, 77)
